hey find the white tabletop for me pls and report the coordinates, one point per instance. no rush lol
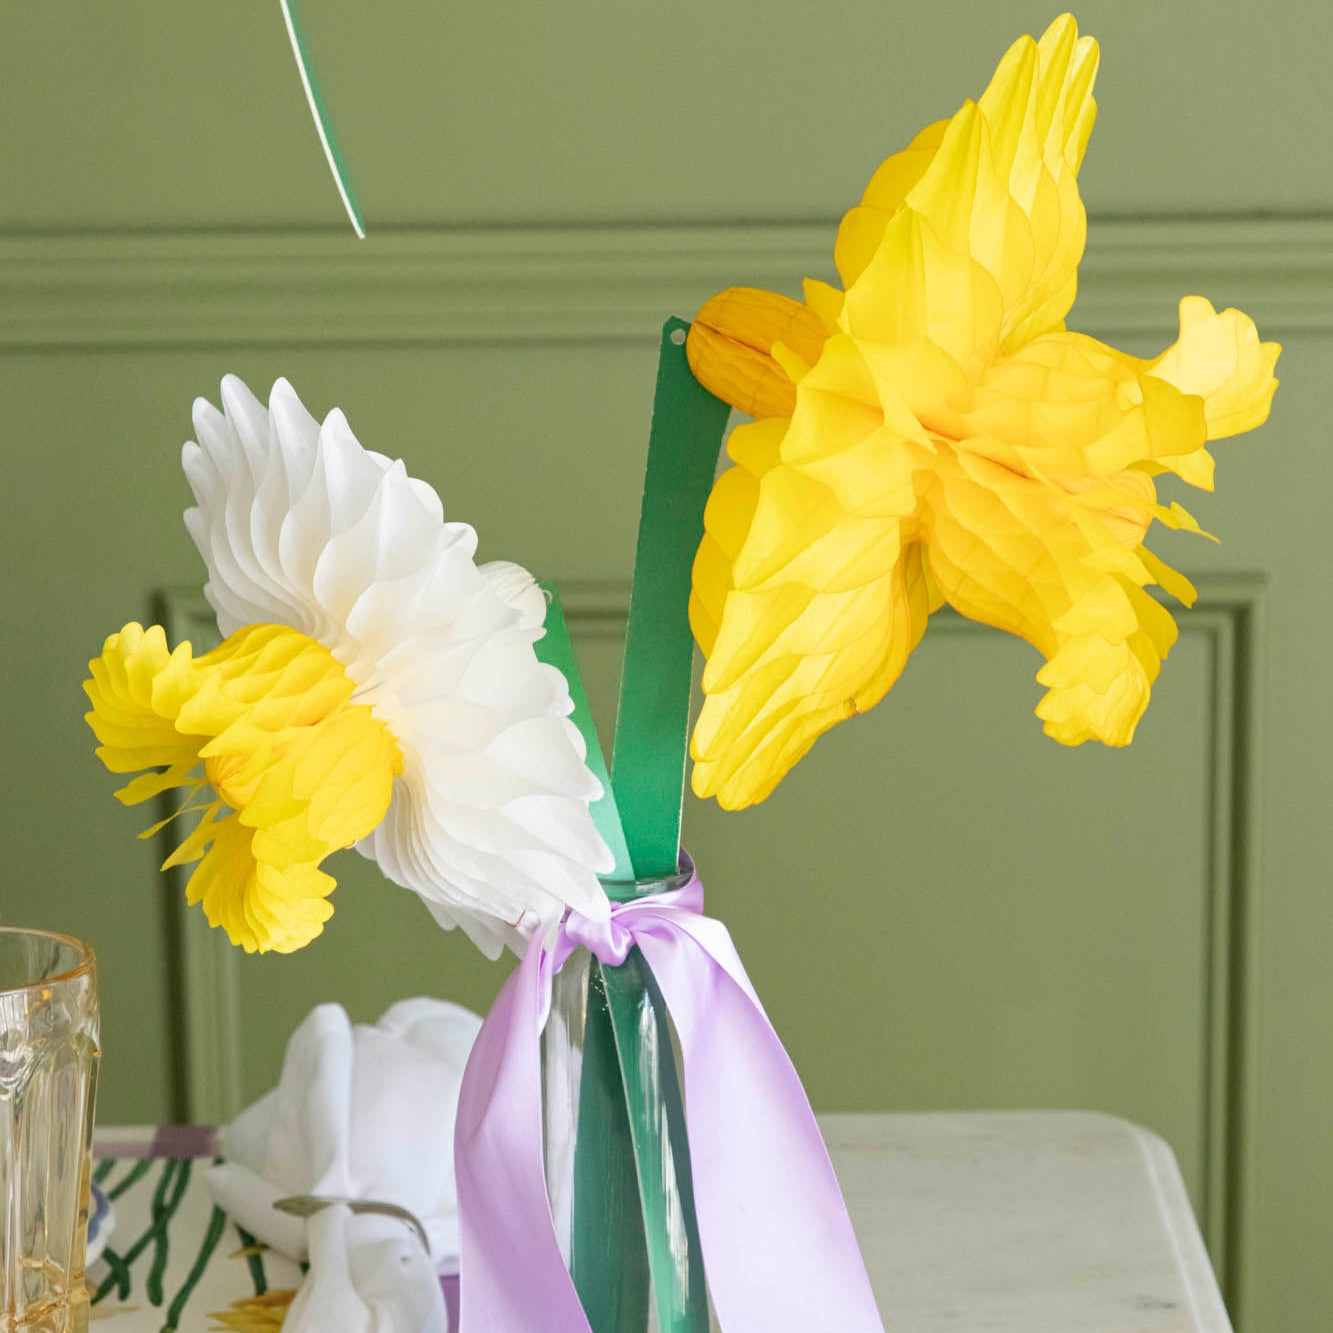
(1019, 1222)
(1023, 1222)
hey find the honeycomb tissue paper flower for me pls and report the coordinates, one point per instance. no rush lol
(375, 687)
(932, 433)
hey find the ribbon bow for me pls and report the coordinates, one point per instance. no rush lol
(768, 1204)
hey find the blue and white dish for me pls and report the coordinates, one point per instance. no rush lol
(101, 1220)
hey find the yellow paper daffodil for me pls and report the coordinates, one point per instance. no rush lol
(376, 688)
(292, 770)
(932, 433)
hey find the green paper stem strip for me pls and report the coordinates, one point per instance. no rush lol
(610, 1248)
(661, 1146)
(321, 117)
(631, 1142)
(652, 724)
(556, 649)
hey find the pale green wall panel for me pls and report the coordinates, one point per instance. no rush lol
(91, 525)
(1000, 922)
(83, 541)
(1145, 932)
(163, 114)
(541, 445)
(1290, 1166)
(969, 900)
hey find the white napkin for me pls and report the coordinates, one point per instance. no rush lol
(363, 1113)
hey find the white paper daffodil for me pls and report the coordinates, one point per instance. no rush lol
(375, 687)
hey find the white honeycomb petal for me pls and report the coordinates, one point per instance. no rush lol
(299, 525)
(517, 587)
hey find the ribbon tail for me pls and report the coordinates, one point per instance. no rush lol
(512, 1278)
(768, 1203)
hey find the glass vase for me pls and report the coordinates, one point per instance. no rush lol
(48, 1074)
(617, 1157)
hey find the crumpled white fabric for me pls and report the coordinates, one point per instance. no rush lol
(361, 1112)
(300, 525)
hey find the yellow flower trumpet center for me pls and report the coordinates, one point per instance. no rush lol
(264, 729)
(731, 342)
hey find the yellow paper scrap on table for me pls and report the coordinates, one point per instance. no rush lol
(932, 433)
(255, 1314)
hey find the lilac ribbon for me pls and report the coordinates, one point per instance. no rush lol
(779, 1252)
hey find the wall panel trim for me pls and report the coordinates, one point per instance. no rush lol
(478, 286)
(1228, 614)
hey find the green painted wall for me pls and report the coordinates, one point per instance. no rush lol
(941, 908)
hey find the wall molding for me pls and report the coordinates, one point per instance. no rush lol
(207, 1050)
(1229, 617)
(582, 284)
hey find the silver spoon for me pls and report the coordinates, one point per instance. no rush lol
(307, 1205)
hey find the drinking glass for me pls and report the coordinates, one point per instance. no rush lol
(48, 1075)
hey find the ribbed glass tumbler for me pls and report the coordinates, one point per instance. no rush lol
(48, 1076)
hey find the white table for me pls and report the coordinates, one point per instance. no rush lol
(1021, 1222)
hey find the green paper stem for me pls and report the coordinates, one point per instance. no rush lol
(652, 724)
(320, 115)
(609, 1248)
(631, 1140)
(661, 1146)
(556, 649)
